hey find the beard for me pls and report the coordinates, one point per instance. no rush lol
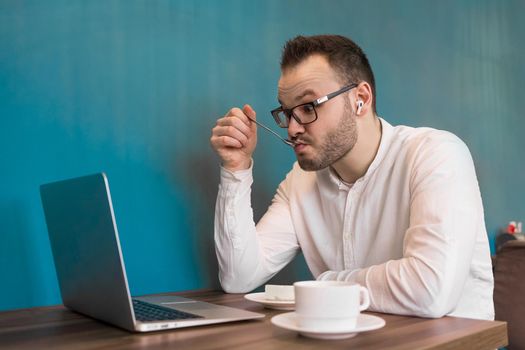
(336, 144)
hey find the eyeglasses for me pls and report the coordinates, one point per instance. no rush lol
(304, 113)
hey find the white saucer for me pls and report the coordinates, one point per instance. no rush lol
(271, 304)
(364, 323)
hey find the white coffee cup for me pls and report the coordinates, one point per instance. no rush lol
(329, 305)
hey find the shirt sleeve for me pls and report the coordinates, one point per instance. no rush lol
(445, 217)
(249, 255)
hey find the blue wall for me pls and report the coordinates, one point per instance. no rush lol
(133, 88)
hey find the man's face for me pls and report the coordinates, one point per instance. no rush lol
(334, 133)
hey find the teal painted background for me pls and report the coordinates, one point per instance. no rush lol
(133, 88)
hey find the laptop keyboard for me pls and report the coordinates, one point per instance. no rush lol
(146, 312)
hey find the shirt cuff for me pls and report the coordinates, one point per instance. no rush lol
(327, 276)
(236, 176)
(346, 275)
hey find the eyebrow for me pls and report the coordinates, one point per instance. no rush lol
(302, 95)
(305, 93)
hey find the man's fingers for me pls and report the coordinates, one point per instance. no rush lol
(226, 128)
(234, 129)
(236, 123)
(238, 113)
(225, 141)
(248, 110)
(233, 132)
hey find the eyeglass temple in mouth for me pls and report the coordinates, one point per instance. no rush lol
(288, 142)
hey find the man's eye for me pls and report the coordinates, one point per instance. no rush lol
(307, 108)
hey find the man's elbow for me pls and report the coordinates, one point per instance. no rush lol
(234, 289)
(433, 312)
(428, 303)
(231, 287)
(435, 297)
(436, 307)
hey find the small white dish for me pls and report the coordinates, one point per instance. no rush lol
(364, 323)
(260, 298)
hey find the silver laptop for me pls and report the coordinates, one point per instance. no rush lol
(90, 268)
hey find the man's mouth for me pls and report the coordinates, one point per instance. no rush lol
(299, 146)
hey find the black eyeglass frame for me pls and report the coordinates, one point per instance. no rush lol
(289, 112)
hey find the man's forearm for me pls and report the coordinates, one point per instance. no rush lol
(249, 255)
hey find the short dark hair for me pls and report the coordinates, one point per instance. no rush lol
(343, 55)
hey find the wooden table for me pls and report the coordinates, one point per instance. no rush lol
(57, 328)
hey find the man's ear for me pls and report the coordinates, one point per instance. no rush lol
(364, 97)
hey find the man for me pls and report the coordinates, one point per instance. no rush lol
(395, 209)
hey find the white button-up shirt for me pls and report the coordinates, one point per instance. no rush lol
(411, 229)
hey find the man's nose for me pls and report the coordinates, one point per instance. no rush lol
(294, 128)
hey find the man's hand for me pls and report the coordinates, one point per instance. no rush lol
(234, 138)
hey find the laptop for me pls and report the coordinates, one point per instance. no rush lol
(90, 267)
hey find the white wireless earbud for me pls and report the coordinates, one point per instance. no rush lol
(359, 106)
